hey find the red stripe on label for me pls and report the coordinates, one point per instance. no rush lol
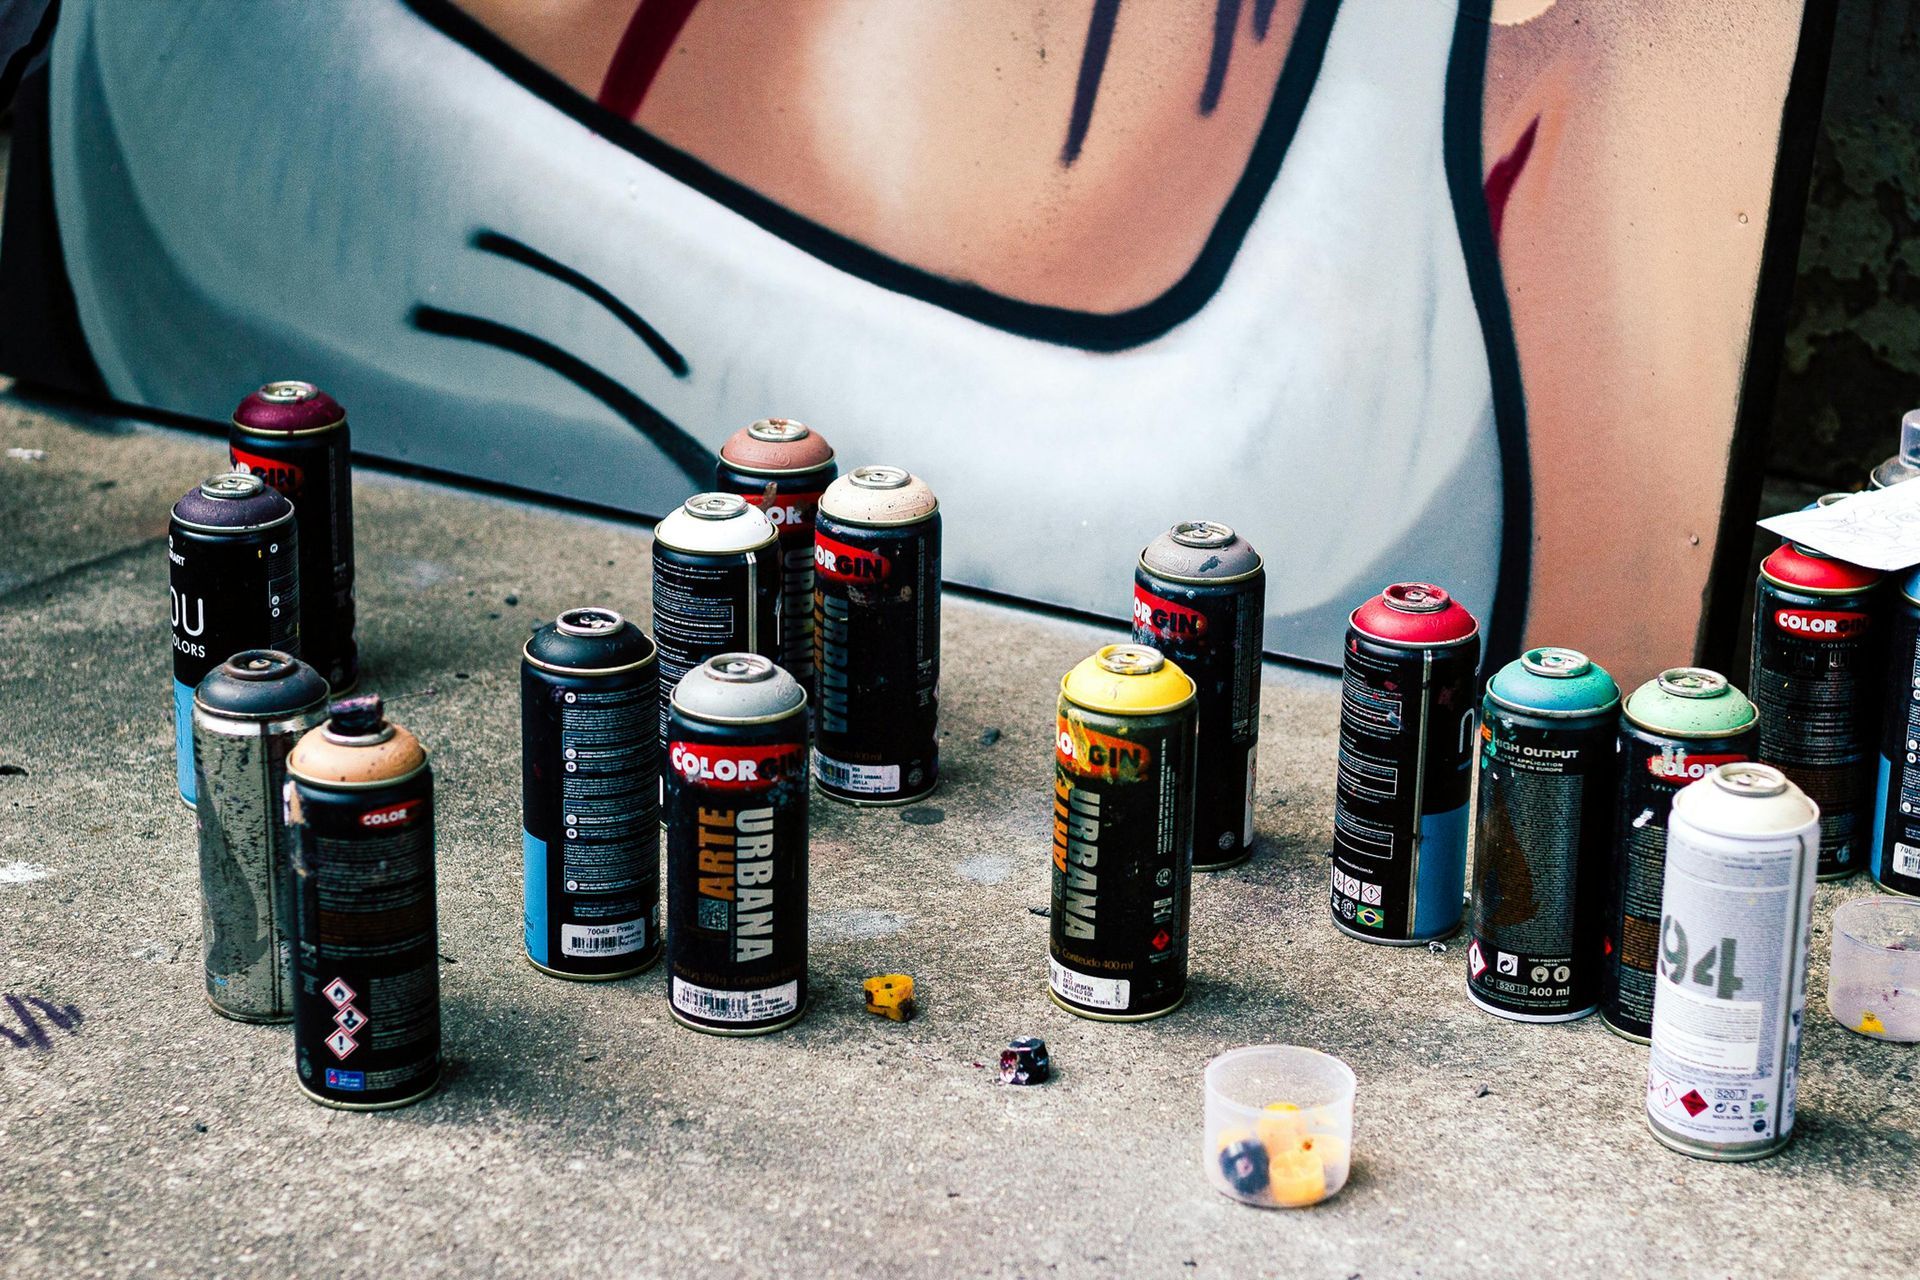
(736, 768)
(842, 563)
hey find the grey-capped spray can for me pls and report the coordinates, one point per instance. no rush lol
(1674, 730)
(366, 955)
(876, 593)
(233, 583)
(1199, 596)
(1543, 836)
(737, 789)
(1722, 1073)
(590, 787)
(247, 715)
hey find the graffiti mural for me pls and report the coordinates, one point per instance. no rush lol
(1401, 288)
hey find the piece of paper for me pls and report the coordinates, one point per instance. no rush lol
(1879, 529)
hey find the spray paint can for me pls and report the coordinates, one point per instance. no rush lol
(1122, 835)
(1895, 860)
(1544, 831)
(736, 809)
(876, 600)
(716, 587)
(590, 788)
(1904, 465)
(782, 467)
(366, 956)
(247, 715)
(1742, 847)
(1406, 766)
(1818, 667)
(1674, 730)
(1200, 597)
(294, 437)
(233, 582)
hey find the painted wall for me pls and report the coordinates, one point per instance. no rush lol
(1402, 288)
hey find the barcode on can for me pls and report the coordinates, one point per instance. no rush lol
(862, 779)
(736, 1006)
(603, 939)
(1906, 859)
(1084, 989)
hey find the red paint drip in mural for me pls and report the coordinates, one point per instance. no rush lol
(1505, 172)
(643, 49)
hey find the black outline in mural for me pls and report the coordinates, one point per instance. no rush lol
(526, 255)
(694, 459)
(1092, 331)
(1466, 183)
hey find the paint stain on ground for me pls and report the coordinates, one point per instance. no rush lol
(987, 868)
(856, 924)
(22, 872)
(923, 815)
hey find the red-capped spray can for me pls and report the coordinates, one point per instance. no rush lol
(1199, 597)
(1818, 663)
(1406, 766)
(782, 467)
(294, 437)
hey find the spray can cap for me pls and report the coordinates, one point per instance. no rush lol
(360, 715)
(1910, 438)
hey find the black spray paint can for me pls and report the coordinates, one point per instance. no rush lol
(247, 715)
(1543, 836)
(1200, 597)
(366, 1029)
(782, 467)
(294, 437)
(736, 818)
(1122, 836)
(1896, 817)
(716, 587)
(876, 596)
(1818, 668)
(1406, 766)
(233, 581)
(1674, 730)
(590, 788)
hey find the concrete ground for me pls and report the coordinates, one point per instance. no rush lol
(580, 1131)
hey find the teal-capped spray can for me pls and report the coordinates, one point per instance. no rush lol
(1674, 730)
(1544, 831)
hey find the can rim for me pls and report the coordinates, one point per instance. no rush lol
(1130, 659)
(1556, 662)
(1202, 535)
(779, 430)
(715, 506)
(880, 475)
(1750, 779)
(1705, 682)
(526, 655)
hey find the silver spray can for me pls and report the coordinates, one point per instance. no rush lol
(1743, 844)
(247, 714)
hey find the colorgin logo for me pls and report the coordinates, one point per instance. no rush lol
(1681, 766)
(741, 768)
(1092, 754)
(392, 815)
(1809, 622)
(842, 563)
(1165, 619)
(275, 474)
(786, 510)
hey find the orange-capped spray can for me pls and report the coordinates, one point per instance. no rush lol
(1122, 835)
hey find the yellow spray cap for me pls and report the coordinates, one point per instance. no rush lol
(1128, 679)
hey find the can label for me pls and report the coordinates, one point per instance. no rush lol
(592, 836)
(1653, 769)
(1731, 990)
(1539, 867)
(1214, 634)
(1896, 850)
(709, 605)
(737, 874)
(1816, 671)
(366, 955)
(226, 592)
(1400, 800)
(315, 474)
(1122, 824)
(792, 516)
(877, 643)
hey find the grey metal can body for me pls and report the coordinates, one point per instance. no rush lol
(243, 730)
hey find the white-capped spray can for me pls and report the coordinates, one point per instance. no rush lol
(1742, 847)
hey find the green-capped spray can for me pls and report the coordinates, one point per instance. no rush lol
(1674, 730)
(1545, 822)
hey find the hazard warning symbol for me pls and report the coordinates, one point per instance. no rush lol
(1476, 963)
(1693, 1102)
(1160, 940)
(338, 993)
(342, 1044)
(350, 1019)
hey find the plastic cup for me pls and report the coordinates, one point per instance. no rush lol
(1279, 1125)
(1873, 978)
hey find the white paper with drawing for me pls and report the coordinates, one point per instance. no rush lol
(1879, 529)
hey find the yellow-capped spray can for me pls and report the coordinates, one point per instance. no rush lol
(1122, 835)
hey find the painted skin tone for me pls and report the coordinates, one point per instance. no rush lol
(1613, 137)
